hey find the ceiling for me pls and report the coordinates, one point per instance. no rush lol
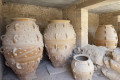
(106, 8)
(46, 3)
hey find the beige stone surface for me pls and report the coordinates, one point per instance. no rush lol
(93, 22)
(0, 15)
(109, 18)
(79, 20)
(41, 14)
(111, 74)
(115, 65)
(0, 41)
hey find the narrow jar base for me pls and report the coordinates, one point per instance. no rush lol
(30, 76)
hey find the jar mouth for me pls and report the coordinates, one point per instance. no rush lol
(23, 19)
(81, 57)
(107, 25)
(57, 21)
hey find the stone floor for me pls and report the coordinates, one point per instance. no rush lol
(44, 73)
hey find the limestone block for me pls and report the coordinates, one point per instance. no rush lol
(115, 65)
(95, 53)
(106, 62)
(111, 74)
(116, 55)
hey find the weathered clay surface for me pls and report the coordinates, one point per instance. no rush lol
(111, 74)
(22, 47)
(82, 67)
(59, 41)
(106, 36)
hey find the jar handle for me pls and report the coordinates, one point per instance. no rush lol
(7, 27)
(1, 50)
(3, 36)
(15, 38)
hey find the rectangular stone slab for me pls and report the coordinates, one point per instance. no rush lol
(52, 71)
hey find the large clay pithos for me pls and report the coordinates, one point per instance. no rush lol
(22, 46)
(106, 36)
(82, 67)
(60, 40)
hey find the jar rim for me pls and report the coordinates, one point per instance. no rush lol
(23, 19)
(64, 21)
(81, 57)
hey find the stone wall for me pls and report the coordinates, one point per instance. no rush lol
(41, 14)
(79, 20)
(93, 23)
(110, 18)
(13, 10)
(1, 65)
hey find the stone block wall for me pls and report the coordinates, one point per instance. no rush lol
(109, 18)
(93, 23)
(1, 64)
(79, 20)
(13, 10)
(41, 14)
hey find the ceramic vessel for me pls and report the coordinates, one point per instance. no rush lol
(22, 46)
(60, 40)
(119, 40)
(106, 36)
(82, 67)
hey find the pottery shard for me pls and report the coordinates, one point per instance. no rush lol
(115, 65)
(116, 55)
(111, 74)
(106, 62)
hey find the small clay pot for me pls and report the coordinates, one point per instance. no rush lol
(82, 67)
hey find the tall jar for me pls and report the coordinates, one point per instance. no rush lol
(60, 40)
(82, 67)
(106, 36)
(22, 46)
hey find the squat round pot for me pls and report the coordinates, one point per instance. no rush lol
(82, 67)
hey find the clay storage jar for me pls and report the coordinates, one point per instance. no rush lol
(82, 67)
(60, 40)
(22, 47)
(119, 39)
(106, 36)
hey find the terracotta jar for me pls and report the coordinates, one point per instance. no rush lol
(82, 67)
(106, 36)
(119, 40)
(60, 40)
(22, 46)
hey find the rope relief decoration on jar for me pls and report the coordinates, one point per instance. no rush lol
(15, 39)
(20, 53)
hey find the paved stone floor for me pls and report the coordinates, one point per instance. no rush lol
(43, 73)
